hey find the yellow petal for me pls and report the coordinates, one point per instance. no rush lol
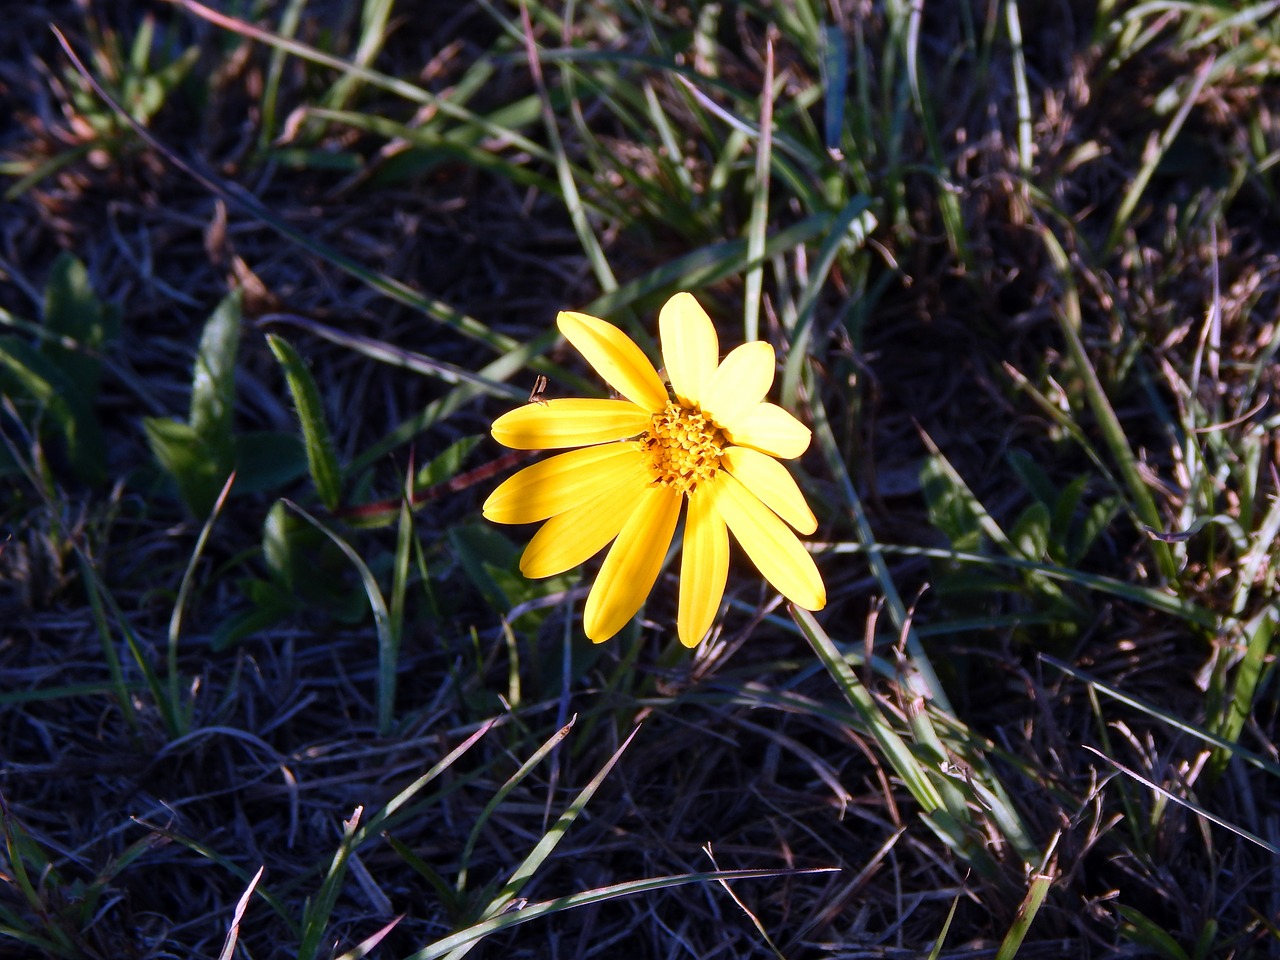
(572, 537)
(772, 430)
(739, 383)
(632, 563)
(769, 480)
(563, 482)
(704, 566)
(616, 358)
(569, 423)
(690, 348)
(772, 547)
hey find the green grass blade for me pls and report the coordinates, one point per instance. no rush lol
(270, 101)
(1037, 890)
(374, 15)
(850, 228)
(321, 458)
(213, 379)
(1174, 721)
(1022, 96)
(502, 793)
(183, 717)
(1070, 322)
(895, 749)
(564, 170)
(1187, 804)
(544, 847)
(315, 920)
(1154, 154)
(879, 569)
(1240, 707)
(758, 224)
(465, 939)
(383, 819)
(388, 648)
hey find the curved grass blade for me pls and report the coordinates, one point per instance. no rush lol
(465, 939)
(388, 648)
(895, 749)
(512, 782)
(183, 716)
(506, 897)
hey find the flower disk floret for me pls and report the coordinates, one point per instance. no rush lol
(712, 441)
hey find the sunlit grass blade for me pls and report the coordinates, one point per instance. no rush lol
(1149, 597)
(501, 794)
(399, 805)
(759, 221)
(936, 951)
(394, 356)
(269, 103)
(1037, 890)
(1022, 96)
(564, 170)
(464, 939)
(895, 749)
(374, 15)
(849, 231)
(1240, 706)
(1155, 152)
(544, 847)
(706, 266)
(365, 947)
(233, 931)
(1187, 804)
(1166, 717)
(315, 920)
(1145, 932)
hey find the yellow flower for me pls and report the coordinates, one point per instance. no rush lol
(713, 443)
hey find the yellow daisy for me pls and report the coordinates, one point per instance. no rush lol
(711, 440)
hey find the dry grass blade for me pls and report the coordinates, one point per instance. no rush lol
(233, 932)
(1182, 802)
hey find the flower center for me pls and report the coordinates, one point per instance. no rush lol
(683, 446)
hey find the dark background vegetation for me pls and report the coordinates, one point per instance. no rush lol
(176, 712)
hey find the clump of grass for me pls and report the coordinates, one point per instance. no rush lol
(272, 687)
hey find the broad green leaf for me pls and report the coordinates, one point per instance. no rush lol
(81, 323)
(198, 469)
(321, 459)
(213, 384)
(267, 460)
(24, 373)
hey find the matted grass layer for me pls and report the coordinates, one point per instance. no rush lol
(1019, 263)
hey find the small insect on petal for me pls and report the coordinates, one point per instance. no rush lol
(539, 388)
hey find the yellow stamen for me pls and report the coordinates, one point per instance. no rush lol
(684, 447)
